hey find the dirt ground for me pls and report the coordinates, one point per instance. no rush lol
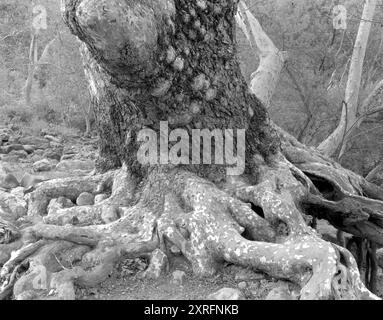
(122, 286)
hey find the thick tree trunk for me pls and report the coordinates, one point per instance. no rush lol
(185, 73)
(152, 61)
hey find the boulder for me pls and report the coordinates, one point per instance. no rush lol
(34, 141)
(67, 157)
(53, 153)
(12, 204)
(70, 165)
(57, 204)
(10, 158)
(8, 181)
(242, 285)
(28, 180)
(175, 250)
(19, 154)
(85, 199)
(52, 138)
(42, 165)
(100, 198)
(17, 147)
(29, 149)
(18, 192)
(226, 294)
(5, 134)
(109, 214)
(12, 147)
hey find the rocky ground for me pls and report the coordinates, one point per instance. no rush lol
(28, 159)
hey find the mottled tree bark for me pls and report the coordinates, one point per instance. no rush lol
(151, 61)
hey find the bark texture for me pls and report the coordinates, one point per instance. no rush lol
(148, 61)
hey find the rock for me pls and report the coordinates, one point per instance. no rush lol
(34, 141)
(28, 180)
(179, 64)
(54, 153)
(242, 285)
(248, 275)
(12, 204)
(71, 150)
(85, 199)
(5, 134)
(17, 147)
(39, 153)
(170, 55)
(67, 157)
(109, 214)
(100, 198)
(178, 277)
(42, 166)
(280, 293)
(226, 294)
(254, 289)
(201, 4)
(70, 165)
(13, 147)
(59, 203)
(8, 181)
(175, 250)
(20, 154)
(9, 158)
(56, 145)
(29, 149)
(52, 138)
(18, 192)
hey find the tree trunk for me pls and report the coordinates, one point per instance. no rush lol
(148, 62)
(31, 70)
(264, 80)
(35, 65)
(350, 104)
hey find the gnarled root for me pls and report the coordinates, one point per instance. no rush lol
(253, 226)
(213, 234)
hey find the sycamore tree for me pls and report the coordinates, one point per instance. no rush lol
(164, 79)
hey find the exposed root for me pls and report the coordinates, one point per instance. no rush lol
(258, 226)
(6, 289)
(70, 188)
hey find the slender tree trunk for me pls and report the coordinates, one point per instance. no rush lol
(35, 65)
(31, 69)
(338, 138)
(264, 80)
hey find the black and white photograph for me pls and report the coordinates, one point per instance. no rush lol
(194, 156)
